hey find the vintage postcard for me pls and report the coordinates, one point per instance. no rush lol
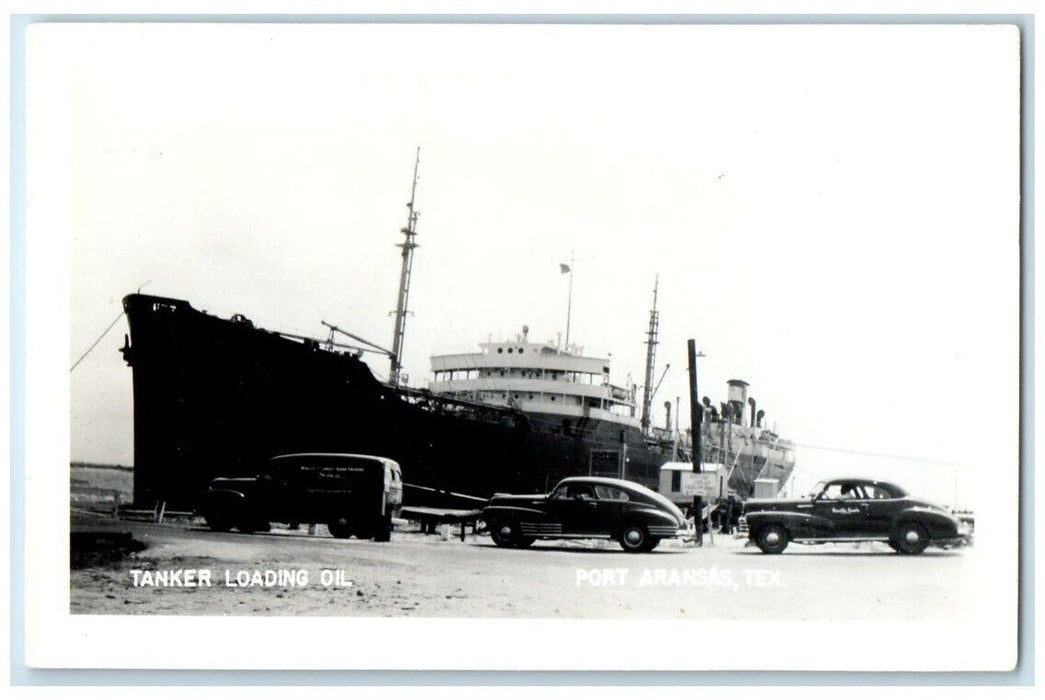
(523, 345)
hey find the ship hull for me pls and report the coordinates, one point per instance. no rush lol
(214, 397)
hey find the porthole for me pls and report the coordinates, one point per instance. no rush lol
(509, 351)
(500, 349)
(522, 350)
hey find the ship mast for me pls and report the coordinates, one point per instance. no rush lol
(408, 245)
(651, 355)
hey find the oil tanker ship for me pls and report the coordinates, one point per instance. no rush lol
(217, 396)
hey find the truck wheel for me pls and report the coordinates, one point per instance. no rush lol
(340, 528)
(247, 527)
(911, 538)
(772, 539)
(383, 531)
(218, 522)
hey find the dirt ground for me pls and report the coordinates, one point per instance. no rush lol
(433, 576)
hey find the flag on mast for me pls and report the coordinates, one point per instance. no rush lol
(564, 268)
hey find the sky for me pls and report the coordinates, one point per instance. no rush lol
(831, 212)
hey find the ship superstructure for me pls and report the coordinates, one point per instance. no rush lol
(536, 378)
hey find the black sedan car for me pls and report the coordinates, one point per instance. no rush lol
(851, 510)
(585, 507)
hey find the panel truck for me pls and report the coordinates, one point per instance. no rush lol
(351, 494)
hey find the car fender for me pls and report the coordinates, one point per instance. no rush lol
(798, 524)
(224, 493)
(224, 498)
(652, 516)
(939, 525)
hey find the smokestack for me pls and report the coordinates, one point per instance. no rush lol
(761, 414)
(751, 402)
(737, 398)
(667, 407)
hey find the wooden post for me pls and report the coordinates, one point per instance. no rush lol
(696, 409)
(698, 519)
(696, 417)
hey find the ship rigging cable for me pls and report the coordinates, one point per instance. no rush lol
(95, 343)
(867, 453)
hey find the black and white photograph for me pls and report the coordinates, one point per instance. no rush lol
(523, 345)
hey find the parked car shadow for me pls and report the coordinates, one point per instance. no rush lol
(754, 551)
(546, 547)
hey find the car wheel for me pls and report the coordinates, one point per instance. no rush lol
(340, 528)
(651, 544)
(506, 534)
(634, 539)
(911, 538)
(772, 539)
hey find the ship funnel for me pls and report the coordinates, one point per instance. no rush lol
(737, 398)
(758, 421)
(667, 407)
(751, 402)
